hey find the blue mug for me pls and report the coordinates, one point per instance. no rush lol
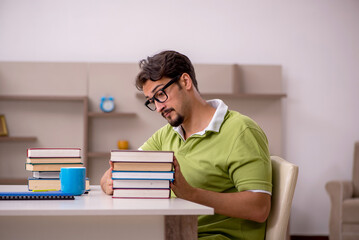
(73, 180)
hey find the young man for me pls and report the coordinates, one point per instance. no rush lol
(221, 157)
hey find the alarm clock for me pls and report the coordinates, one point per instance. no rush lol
(107, 104)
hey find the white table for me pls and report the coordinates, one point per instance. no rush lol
(98, 216)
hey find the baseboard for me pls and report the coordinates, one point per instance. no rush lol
(295, 237)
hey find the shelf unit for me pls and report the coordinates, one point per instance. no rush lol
(102, 155)
(257, 88)
(38, 98)
(86, 116)
(82, 99)
(86, 113)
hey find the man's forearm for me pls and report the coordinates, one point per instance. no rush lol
(246, 204)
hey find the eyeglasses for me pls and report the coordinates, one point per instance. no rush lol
(160, 95)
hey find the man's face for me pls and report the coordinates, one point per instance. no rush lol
(170, 109)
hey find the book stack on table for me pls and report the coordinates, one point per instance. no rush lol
(46, 163)
(142, 174)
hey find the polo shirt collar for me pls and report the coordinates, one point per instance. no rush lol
(217, 119)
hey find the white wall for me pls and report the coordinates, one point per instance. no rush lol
(316, 42)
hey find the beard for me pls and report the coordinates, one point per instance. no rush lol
(176, 121)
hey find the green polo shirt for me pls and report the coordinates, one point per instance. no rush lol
(230, 155)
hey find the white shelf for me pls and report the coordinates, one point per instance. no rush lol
(111, 114)
(17, 139)
(237, 95)
(245, 95)
(42, 98)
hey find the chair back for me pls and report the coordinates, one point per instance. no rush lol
(284, 180)
(356, 170)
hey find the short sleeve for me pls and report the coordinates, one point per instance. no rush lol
(153, 143)
(249, 163)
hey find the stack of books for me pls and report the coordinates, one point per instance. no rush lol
(142, 174)
(46, 163)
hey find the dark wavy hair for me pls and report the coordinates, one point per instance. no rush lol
(164, 64)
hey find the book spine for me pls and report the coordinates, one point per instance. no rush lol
(142, 175)
(53, 152)
(143, 166)
(148, 184)
(65, 164)
(144, 156)
(143, 197)
(140, 151)
(142, 159)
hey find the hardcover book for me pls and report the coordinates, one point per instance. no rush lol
(125, 183)
(44, 184)
(142, 166)
(55, 174)
(141, 156)
(142, 175)
(53, 160)
(53, 152)
(141, 193)
(49, 166)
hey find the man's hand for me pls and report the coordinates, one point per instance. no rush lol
(180, 186)
(106, 181)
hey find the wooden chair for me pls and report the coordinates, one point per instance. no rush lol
(284, 180)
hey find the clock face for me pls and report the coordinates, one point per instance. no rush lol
(107, 105)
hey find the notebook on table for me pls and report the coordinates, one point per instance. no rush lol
(53, 195)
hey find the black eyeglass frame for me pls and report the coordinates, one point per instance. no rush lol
(153, 99)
